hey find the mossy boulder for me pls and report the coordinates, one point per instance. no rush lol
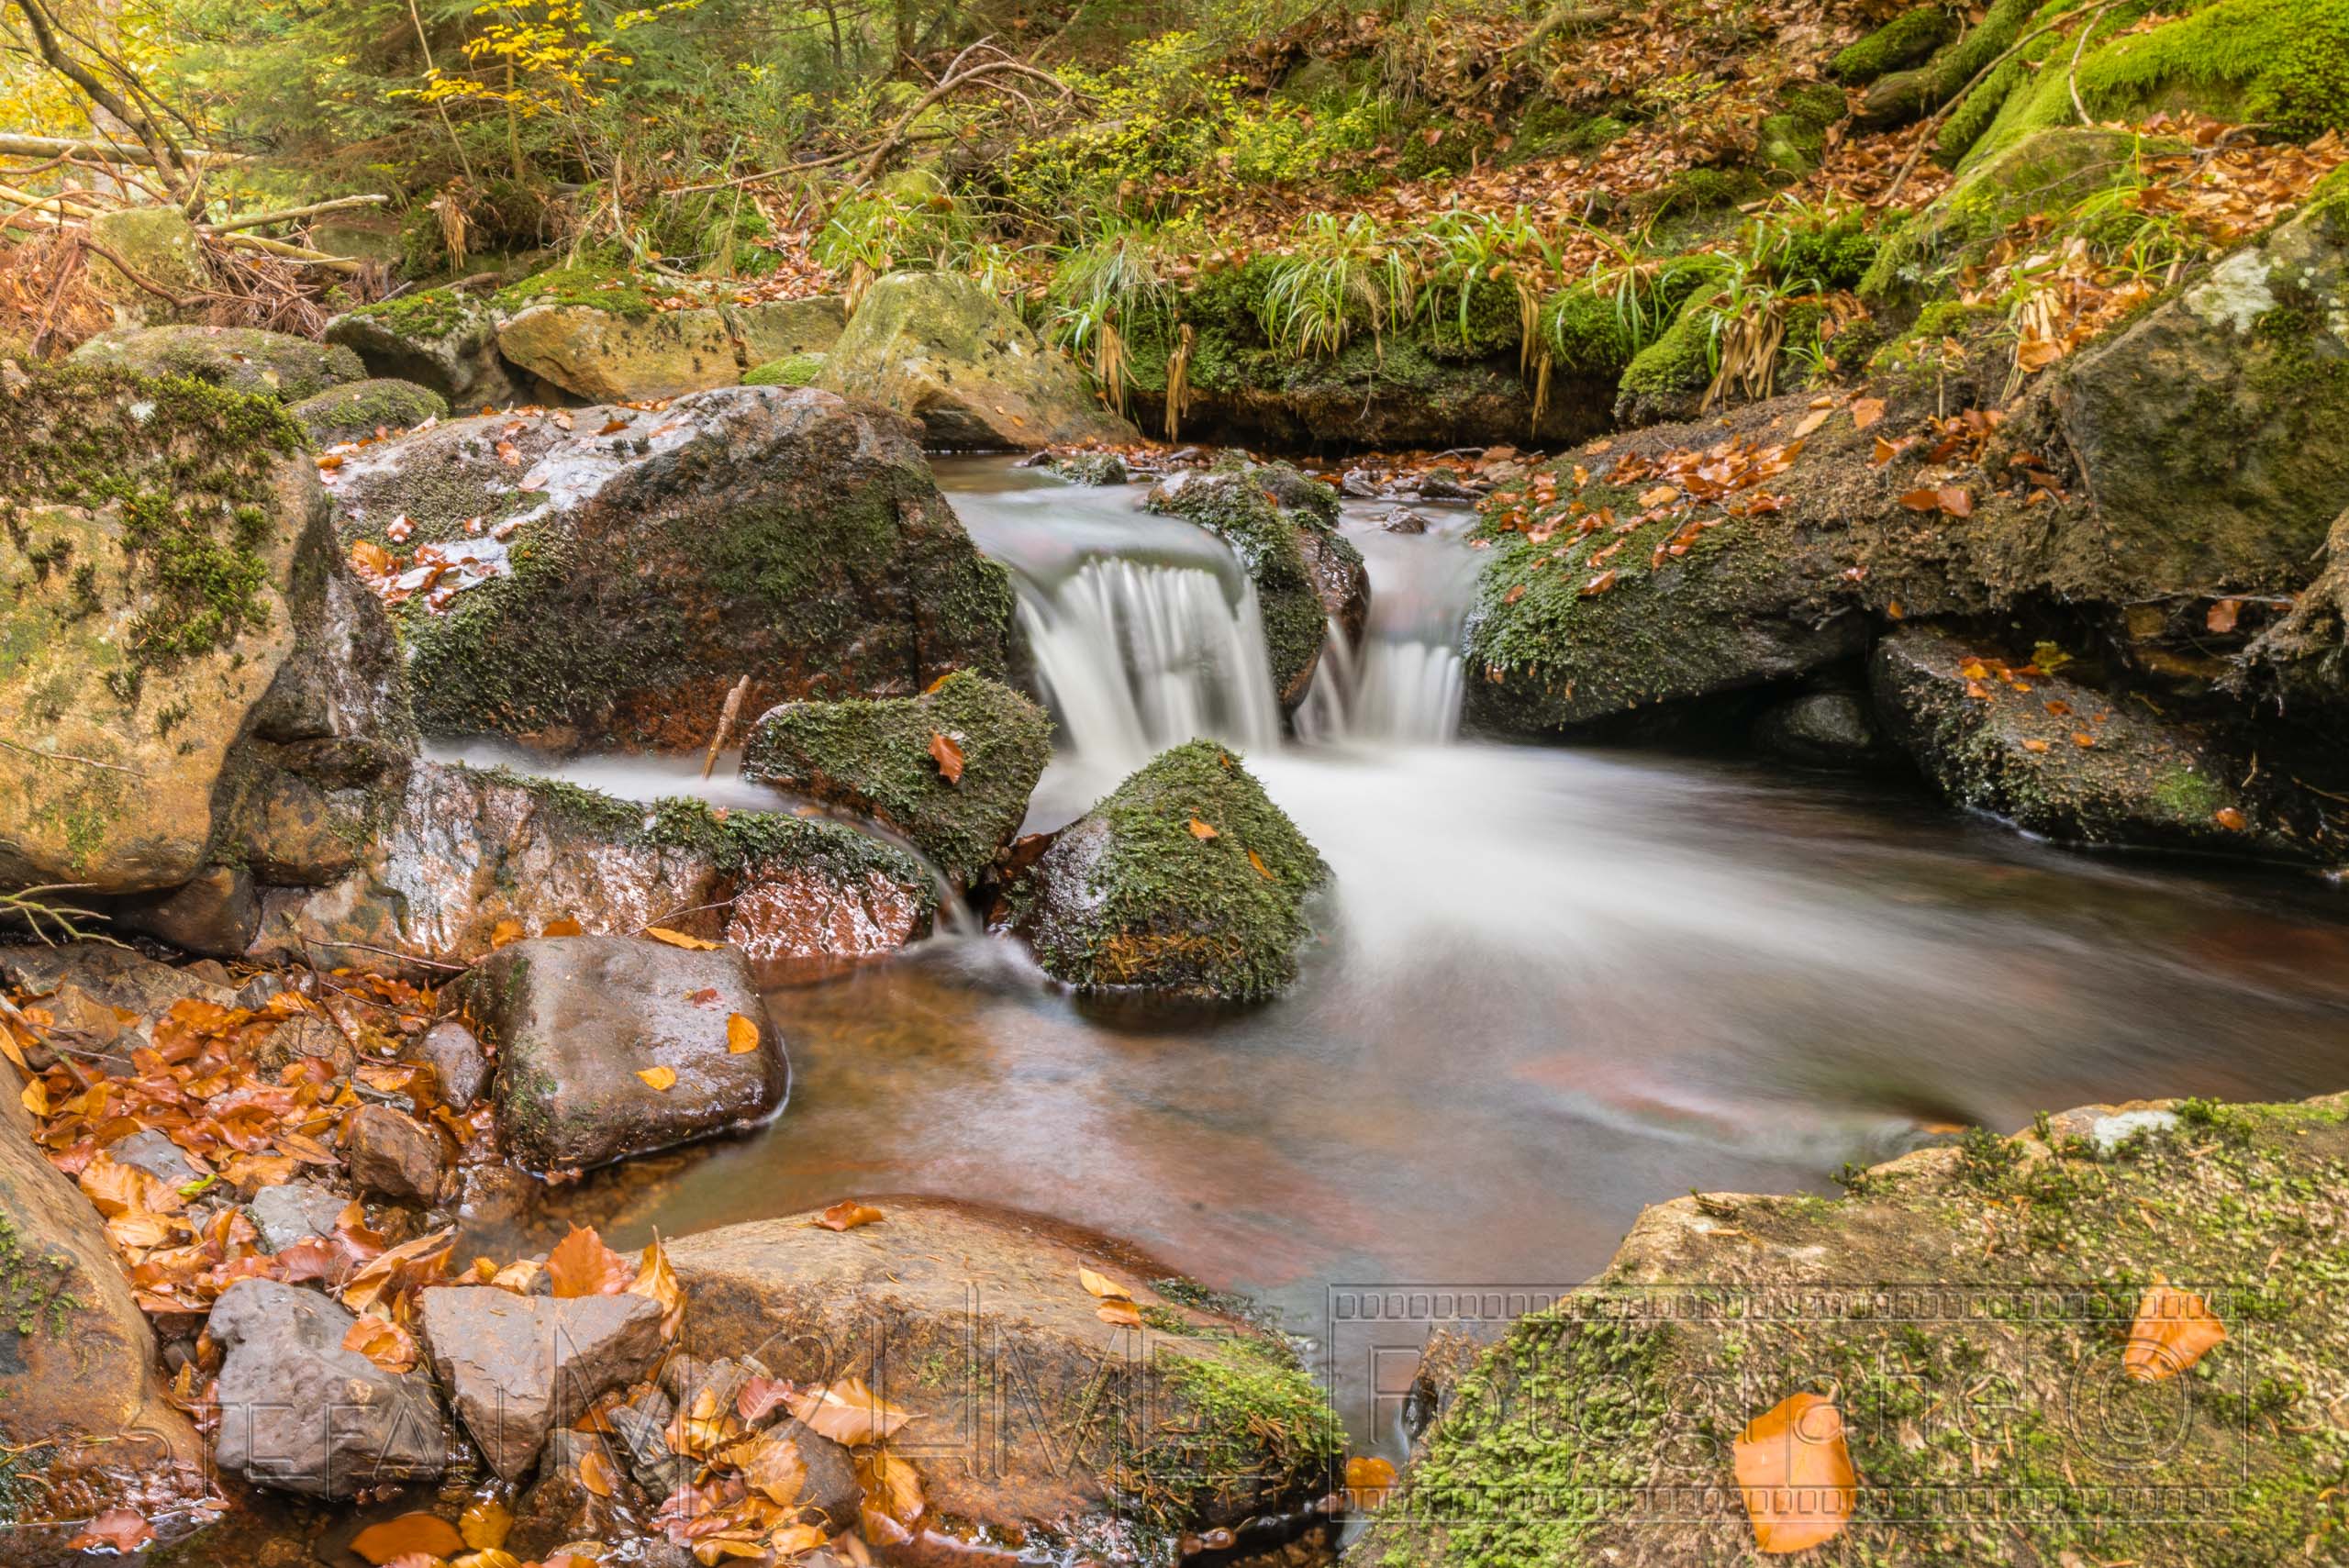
(881, 757)
(795, 369)
(1187, 879)
(2057, 757)
(1908, 39)
(236, 359)
(1794, 138)
(160, 245)
(442, 339)
(1573, 626)
(458, 854)
(654, 559)
(2022, 1260)
(595, 342)
(364, 409)
(160, 541)
(1105, 1442)
(1282, 528)
(1904, 96)
(940, 349)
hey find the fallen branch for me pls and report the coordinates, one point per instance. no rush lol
(726, 722)
(287, 214)
(108, 152)
(55, 205)
(70, 757)
(956, 78)
(293, 252)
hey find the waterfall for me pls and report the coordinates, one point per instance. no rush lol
(1135, 658)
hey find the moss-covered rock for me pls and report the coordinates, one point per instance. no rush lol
(940, 349)
(1794, 138)
(794, 537)
(457, 853)
(1908, 39)
(1666, 380)
(160, 245)
(610, 352)
(795, 369)
(1110, 1444)
(442, 339)
(1283, 527)
(1905, 96)
(2014, 1263)
(157, 540)
(2056, 758)
(1135, 895)
(880, 757)
(238, 359)
(364, 408)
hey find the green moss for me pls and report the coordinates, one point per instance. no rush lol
(1247, 1422)
(1924, 89)
(599, 288)
(362, 408)
(876, 757)
(1144, 900)
(794, 370)
(1259, 511)
(1908, 39)
(421, 316)
(36, 1296)
(1678, 361)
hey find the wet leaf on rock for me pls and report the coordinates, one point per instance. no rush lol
(381, 1341)
(1103, 1286)
(596, 1473)
(848, 1412)
(582, 1266)
(118, 1531)
(947, 755)
(1367, 1480)
(563, 926)
(410, 1533)
(661, 1079)
(484, 1524)
(1795, 1472)
(657, 1283)
(742, 1035)
(679, 940)
(2174, 1330)
(893, 1498)
(1201, 831)
(847, 1215)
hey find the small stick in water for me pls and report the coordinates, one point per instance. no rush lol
(726, 722)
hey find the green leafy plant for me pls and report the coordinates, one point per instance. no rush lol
(1340, 277)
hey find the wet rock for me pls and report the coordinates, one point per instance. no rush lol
(457, 1061)
(365, 409)
(882, 757)
(1821, 730)
(461, 851)
(903, 1303)
(392, 1155)
(160, 245)
(615, 356)
(558, 1508)
(797, 539)
(300, 1413)
(307, 1037)
(1441, 484)
(1282, 528)
(274, 365)
(77, 1359)
(493, 1202)
(2060, 759)
(517, 1367)
(110, 975)
(1406, 522)
(577, 1019)
(940, 349)
(1089, 467)
(217, 911)
(444, 340)
(1133, 893)
(640, 1429)
(293, 1211)
(154, 1152)
(148, 714)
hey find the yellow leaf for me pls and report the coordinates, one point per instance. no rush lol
(741, 1034)
(484, 1524)
(34, 1097)
(1125, 1313)
(506, 932)
(660, 1078)
(657, 1283)
(847, 1215)
(849, 1412)
(1261, 869)
(1795, 1472)
(596, 1473)
(1200, 830)
(1103, 1286)
(427, 1533)
(679, 940)
(2174, 1330)
(564, 927)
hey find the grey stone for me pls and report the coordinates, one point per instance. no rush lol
(518, 1367)
(293, 1211)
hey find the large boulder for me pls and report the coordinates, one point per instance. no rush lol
(952, 769)
(517, 1366)
(940, 348)
(362, 410)
(166, 546)
(2056, 758)
(236, 359)
(1115, 1439)
(613, 1046)
(459, 859)
(161, 247)
(1282, 528)
(611, 346)
(301, 1413)
(1187, 879)
(82, 1411)
(793, 538)
(442, 339)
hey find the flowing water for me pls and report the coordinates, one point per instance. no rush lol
(1560, 984)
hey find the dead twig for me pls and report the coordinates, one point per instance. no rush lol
(286, 215)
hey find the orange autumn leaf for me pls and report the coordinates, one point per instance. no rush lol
(772, 1467)
(1866, 411)
(506, 932)
(563, 926)
(427, 1533)
(849, 1412)
(948, 756)
(893, 1498)
(1598, 585)
(582, 1266)
(1367, 1480)
(2174, 1330)
(657, 1283)
(484, 1524)
(741, 1034)
(2230, 819)
(381, 1341)
(2222, 615)
(1201, 831)
(847, 1215)
(119, 1530)
(1261, 869)
(1795, 1472)
(1922, 500)
(596, 1473)
(1124, 1313)
(1103, 1286)
(661, 1079)
(679, 940)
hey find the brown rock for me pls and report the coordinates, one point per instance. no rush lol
(517, 1366)
(392, 1155)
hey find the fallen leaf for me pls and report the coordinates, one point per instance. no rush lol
(1367, 1479)
(679, 940)
(1103, 1286)
(1125, 1313)
(582, 1266)
(1866, 411)
(849, 1412)
(771, 1466)
(1598, 585)
(2224, 615)
(34, 1097)
(1810, 421)
(1922, 500)
(596, 1473)
(948, 756)
(506, 932)
(1261, 869)
(2034, 745)
(742, 1035)
(893, 1498)
(1660, 495)
(1956, 501)
(420, 1532)
(381, 1341)
(2230, 819)
(2174, 1330)
(661, 1079)
(119, 1530)
(1201, 831)
(563, 926)
(2083, 740)
(1795, 1472)
(484, 1524)
(847, 1215)
(657, 1283)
